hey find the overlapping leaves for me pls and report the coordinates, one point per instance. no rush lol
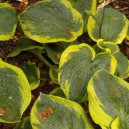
(77, 64)
(82, 6)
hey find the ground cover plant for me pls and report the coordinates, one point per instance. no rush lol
(90, 90)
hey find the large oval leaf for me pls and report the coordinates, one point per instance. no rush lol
(83, 5)
(77, 64)
(15, 93)
(51, 21)
(108, 24)
(108, 97)
(52, 112)
(8, 21)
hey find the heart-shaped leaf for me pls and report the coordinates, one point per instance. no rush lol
(83, 5)
(8, 21)
(108, 97)
(108, 24)
(15, 93)
(51, 21)
(33, 75)
(52, 112)
(77, 64)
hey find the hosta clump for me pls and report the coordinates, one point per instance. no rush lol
(108, 97)
(8, 21)
(77, 65)
(51, 21)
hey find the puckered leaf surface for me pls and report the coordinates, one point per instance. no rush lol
(51, 21)
(108, 97)
(15, 93)
(52, 112)
(77, 64)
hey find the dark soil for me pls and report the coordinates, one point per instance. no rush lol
(46, 86)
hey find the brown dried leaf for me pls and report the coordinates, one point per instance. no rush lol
(2, 112)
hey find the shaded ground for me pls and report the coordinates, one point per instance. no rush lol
(46, 86)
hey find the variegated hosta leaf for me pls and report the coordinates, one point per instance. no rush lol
(108, 24)
(108, 46)
(122, 69)
(108, 97)
(82, 6)
(127, 36)
(51, 21)
(15, 93)
(52, 112)
(33, 74)
(77, 64)
(58, 92)
(24, 44)
(53, 73)
(8, 21)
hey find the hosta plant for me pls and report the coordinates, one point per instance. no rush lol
(81, 71)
